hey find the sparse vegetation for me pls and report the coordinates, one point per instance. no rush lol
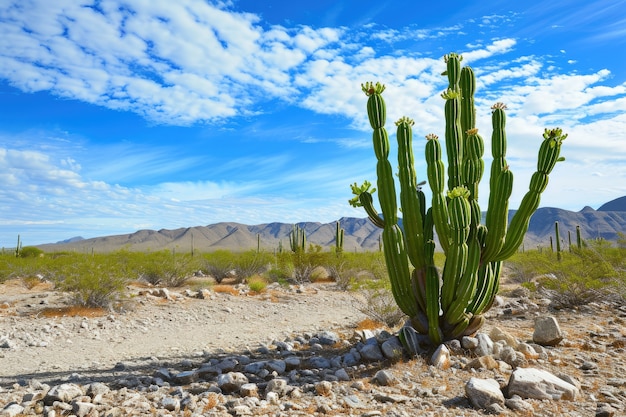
(594, 273)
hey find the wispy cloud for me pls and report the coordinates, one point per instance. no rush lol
(195, 63)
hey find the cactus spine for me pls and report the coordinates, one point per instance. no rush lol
(452, 306)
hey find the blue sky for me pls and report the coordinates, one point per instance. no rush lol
(120, 115)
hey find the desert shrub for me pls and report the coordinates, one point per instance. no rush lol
(95, 280)
(251, 263)
(166, 268)
(30, 252)
(582, 276)
(374, 299)
(279, 275)
(257, 284)
(219, 264)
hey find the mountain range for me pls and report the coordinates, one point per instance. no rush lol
(360, 234)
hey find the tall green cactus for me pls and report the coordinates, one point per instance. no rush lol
(297, 239)
(339, 232)
(450, 303)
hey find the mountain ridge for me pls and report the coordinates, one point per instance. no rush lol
(360, 233)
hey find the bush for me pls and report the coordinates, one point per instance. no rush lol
(167, 269)
(219, 265)
(95, 280)
(250, 263)
(376, 301)
(30, 252)
(257, 284)
(582, 276)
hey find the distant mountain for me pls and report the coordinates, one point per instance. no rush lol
(360, 233)
(71, 240)
(619, 204)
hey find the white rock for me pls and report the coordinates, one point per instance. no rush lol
(441, 357)
(547, 331)
(484, 392)
(540, 384)
(485, 345)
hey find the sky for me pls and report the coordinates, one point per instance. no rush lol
(122, 115)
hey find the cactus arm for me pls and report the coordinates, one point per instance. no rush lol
(435, 172)
(456, 258)
(452, 110)
(467, 83)
(498, 216)
(454, 144)
(466, 287)
(409, 199)
(473, 168)
(433, 304)
(363, 198)
(548, 157)
(398, 269)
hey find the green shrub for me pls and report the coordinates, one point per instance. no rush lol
(250, 263)
(582, 276)
(257, 284)
(30, 252)
(166, 268)
(95, 280)
(219, 264)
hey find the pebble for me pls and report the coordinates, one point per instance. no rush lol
(320, 371)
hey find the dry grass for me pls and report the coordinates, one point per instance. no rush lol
(227, 289)
(73, 311)
(369, 324)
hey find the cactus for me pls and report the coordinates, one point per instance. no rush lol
(297, 239)
(558, 240)
(18, 248)
(449, 304)
(339, 232)
(579, 241)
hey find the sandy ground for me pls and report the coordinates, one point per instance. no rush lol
(155, 326)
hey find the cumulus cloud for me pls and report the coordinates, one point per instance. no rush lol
(193, 62)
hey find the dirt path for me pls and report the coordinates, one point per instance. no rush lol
(157, 326)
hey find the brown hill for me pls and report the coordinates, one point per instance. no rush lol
(360, 233)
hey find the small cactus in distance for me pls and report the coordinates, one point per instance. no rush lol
(297, 239)
(339, 232)
(451, 303)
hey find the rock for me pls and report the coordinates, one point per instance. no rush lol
(371, 353)
(497, 334)
(249, 390)
(469, 343)
(231, 381)
(483, 392)
(547, 331)
(484, 362)
(605, 410)
(540, 384)
(485, 345)
(186, 377)
(11, 410)
(384, 377)
(441, 357)
(516, 403)
(342, 375)
(324, 388)
(63, 393)
(170, 403)
(328, 338)
(278, 385)
(392, 348)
